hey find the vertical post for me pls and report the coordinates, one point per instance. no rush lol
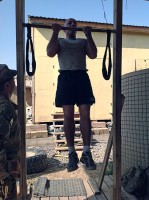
(20, 39)
(117, 58)
(135, 64)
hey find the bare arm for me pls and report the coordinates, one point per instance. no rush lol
(53, 45)
(91, 49)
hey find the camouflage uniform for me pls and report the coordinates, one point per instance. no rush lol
(9, 144)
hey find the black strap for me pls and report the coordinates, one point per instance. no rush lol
(29, 40)
(106, 74)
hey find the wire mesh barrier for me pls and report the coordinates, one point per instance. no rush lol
(135, 120)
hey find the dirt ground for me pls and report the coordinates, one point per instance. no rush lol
(53, 174)
(57, 172)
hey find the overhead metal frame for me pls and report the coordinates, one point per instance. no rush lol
(38, 25)
(117, 60)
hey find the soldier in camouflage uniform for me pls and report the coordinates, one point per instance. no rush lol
(9, 133)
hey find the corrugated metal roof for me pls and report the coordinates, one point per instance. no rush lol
(61, 19)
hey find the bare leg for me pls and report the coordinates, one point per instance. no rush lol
(69, 125)
(85, 124)
(69, 129)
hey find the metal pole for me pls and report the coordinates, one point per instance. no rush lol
(20, 39)
(38, 25)
(117, 58)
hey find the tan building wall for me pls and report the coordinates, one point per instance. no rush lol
(135, 52)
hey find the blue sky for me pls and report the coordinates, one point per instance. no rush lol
(135, 12)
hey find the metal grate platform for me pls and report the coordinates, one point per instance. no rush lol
(59, 188)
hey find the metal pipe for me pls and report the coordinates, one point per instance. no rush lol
(65, 28)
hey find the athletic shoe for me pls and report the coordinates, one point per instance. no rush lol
(73, 161)
(87, 159)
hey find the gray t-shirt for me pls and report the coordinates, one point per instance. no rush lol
(72, 54)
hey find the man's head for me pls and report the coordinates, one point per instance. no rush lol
(70, 23)
(7, 80)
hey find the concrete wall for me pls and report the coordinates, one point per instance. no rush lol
(135, 119)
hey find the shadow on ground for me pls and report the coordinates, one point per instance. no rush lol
(57, 163)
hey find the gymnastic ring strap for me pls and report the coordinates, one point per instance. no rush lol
(106, 74)
(29, 41)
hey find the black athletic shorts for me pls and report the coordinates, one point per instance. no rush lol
(74, 87)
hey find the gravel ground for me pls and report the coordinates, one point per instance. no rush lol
(57, 162)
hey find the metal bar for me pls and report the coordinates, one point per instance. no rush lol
(117, 59)
(20, 40)
(65, 28)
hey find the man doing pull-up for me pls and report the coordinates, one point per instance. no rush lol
(74, 86)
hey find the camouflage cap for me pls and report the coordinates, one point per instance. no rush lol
(6, 74)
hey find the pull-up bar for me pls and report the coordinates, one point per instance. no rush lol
(66, 28)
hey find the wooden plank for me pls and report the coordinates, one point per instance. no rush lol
(106, 190)
(76, 140)
(66, 148)
(63, 198)
(62, 133)
(93, 185)
(58, 133)
(117, 65)
(73, 198)
(45, 198)
(90, 194)
(105, 161)
(108, 181)
(62, 114)
(57, 126)
(35, 198)
(62, 119)
(82, 198)
(111, 176)
(101, 196)
(20, 47)
(53, 198)
(108, 150)
(57, 113)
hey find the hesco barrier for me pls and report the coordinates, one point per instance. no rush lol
(135, 119)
